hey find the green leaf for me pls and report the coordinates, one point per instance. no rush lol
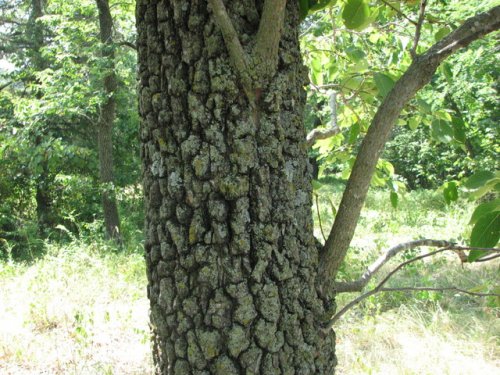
(485, 233)
(441, 33)
(478, 180)
(355, 14)
(450, 192)
(304, 8)
(354, 132)
(384, 83)
(459, 129)
(441, 131)
(315, 5)
(483, 209)
(316, 185)
(413, 123)
(394, 199)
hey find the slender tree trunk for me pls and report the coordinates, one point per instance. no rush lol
(105, 125)
(230, 252)
(43, 179)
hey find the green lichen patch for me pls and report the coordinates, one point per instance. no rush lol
(210, 343)
(238, 340)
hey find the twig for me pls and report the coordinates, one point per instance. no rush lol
(357, 300)
(127, 44)
(319, 218)
(486, 259)
(437, 289)
(398, 11)
(380, 285)
(418, 29)
(359, 284)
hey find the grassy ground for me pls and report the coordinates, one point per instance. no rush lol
(82, 309)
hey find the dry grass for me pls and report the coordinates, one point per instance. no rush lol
(74, 312)
(82, 309)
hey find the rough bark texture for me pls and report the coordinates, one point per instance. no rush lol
(230, 254)
(105, 125)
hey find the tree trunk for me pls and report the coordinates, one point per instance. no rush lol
(230, 252)
(43, 179)
(105, 125)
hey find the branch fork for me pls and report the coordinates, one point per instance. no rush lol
(254, 69)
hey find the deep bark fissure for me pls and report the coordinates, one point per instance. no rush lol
(230, 254)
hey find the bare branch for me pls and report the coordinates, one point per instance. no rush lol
(237, 54)
(437, 289)
(127, 44)
(358, 285)
(421, 17)
(265, 52)
(379, 287)
(418, 74)
(334, 129)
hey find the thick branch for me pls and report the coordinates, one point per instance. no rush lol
(265, 52)
(418, 74)
(358, 285)
(237, 54)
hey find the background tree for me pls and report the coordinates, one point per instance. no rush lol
(105, 123)
(72, 86)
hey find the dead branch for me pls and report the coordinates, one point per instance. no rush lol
(380, 285)
(359, 284)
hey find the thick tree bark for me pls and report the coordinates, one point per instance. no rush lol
(230, 253)
(105, 125)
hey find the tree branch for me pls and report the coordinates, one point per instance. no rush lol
(127, 44)
(418, 74)
(237, 54)
(359, 284)
(421, 17)
(265, 52)
(399, 12)
(334, 129)
(5, 85)
(379, 287)
(437, 289)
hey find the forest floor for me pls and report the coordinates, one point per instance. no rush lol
(82, 308)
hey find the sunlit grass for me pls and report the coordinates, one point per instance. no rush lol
(415, 332)
(82, 308)
(79, 310)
